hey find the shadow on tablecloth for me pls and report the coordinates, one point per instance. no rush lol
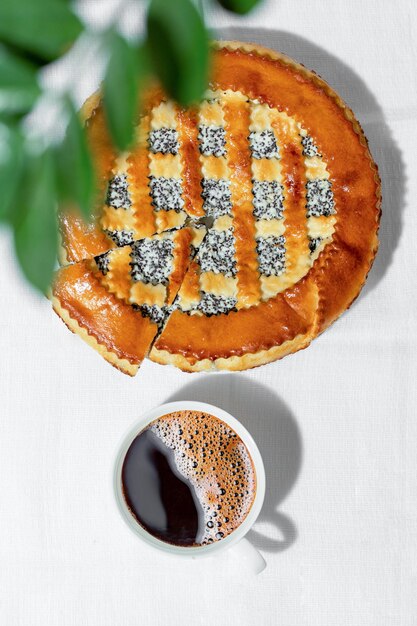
(370, 115)
(276, 433)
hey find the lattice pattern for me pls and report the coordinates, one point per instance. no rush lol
(253, 250)
(232, 160)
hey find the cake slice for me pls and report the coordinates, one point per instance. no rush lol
(118, 301)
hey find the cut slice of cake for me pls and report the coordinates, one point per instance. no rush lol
(118, 301)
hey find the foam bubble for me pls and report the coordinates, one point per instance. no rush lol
(217, 463)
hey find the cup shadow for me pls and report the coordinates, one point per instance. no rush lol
(273, 426)
(368, 112)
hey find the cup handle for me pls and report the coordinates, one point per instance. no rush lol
(248, 555)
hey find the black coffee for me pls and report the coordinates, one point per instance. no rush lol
(188, 479)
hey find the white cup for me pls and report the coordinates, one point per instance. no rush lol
(236, 542)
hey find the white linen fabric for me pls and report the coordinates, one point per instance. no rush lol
(336, 423)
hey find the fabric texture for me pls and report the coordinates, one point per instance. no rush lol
(336, 423)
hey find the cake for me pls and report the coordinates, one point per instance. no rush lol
(271, 177)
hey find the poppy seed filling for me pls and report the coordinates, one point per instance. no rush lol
(268, 200)
(310, 149)
(120, 237)
(217, 252)
(118, 195)
(212, 140)
(164, 140)
(263, 145)
(211, 304)
(271, 255)
(102, 262)
(319, 198)
(314, 243)
(152, 260)
(166, 194)
(156, 314)
(216, 196)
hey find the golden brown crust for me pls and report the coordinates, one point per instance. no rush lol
(237, 121)
(294, 326)
(232, 363)
(190, 155)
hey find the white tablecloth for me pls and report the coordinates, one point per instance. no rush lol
(336, 423)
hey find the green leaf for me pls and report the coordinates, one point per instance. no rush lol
(36, 231)
(179, 48)
(44, 27)
(11, 167)
(76, 179)
(126, 68)
(239, 6)
(18, 83)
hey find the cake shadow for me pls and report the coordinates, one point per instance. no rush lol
(277, 435)
(367, 111)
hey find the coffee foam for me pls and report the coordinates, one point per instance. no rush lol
(213, 458)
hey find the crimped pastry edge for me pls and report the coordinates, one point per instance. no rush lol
(233, 363)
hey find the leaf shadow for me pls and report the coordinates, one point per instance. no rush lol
(277, 435)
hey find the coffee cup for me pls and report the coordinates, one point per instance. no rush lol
(233, 541)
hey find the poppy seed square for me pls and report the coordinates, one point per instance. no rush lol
(166, 194)
(217, 253)
(263, 145)
(271, 255)
(212, 140)
(268, 199)
(152, 260)
(319, 198)
(164, 140)
(118, 195)
(217, 198)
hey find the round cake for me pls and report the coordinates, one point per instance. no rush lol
(272, 179)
